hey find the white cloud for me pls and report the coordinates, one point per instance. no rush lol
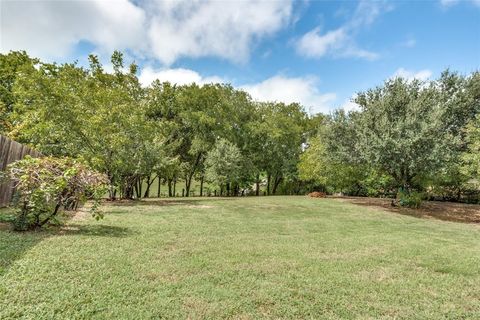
(178, 76)
(313, 44)
(214, 28)
(410, 75)
(300, 89)
(164, 30)
(340, 42)
(348, 105)
(53, 28)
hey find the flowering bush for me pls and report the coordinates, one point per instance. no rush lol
(44, 185)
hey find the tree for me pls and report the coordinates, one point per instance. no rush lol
(12, 65)
(318, 165)
(472, 156)
(459, 98)
(223, 165)
(279, 131)
(65, 110)
(400, 130)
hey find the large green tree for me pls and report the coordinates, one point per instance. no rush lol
(279, 130)
(400, 130)
(90, 114)
(12, 65)
(472, 156)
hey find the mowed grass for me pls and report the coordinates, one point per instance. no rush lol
(243, 258)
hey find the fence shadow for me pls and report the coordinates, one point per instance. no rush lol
(13, 245)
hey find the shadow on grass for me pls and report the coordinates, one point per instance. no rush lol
(96, 230)
(14, 244)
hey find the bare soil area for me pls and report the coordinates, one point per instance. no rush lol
(449, 211)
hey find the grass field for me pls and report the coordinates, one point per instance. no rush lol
(245, 258)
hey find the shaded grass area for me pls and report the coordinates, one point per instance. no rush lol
(267, 257)
(6, 215)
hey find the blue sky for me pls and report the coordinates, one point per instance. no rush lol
(318, 53)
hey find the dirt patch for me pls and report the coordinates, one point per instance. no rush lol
(81, 214)
(317, 194)
(5, 226)
(201, 206)
(448, 211)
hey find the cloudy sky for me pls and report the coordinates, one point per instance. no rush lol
(318, 53)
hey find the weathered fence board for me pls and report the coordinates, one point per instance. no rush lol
(11, 151)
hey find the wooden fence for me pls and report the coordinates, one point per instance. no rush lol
(11, 151)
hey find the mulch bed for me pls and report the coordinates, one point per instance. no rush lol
(448, 211)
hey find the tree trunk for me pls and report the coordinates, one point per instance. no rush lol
(277, 181)
(50, 216)
(257, 183)
(149, 184)
(159, 184)
(201, 186)
(188, 180)
(135, 187)
(268, 183)
(228, 189)
(112, 191)
(169, 183)
(174, 186)
(138, 187)
(127, 187)
(188, 184)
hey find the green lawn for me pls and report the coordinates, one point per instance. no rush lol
(247, 258)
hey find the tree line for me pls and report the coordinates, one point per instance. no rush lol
(408, 135)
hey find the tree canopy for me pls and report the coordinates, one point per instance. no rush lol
(409, 134)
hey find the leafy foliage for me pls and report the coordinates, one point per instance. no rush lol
(410, 199)
(408, 134)
(44, 185)
(12, 66)
(472, 156)
(415, 135)
(223, 164)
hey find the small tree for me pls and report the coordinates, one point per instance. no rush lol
(223, 164)
(44, 185)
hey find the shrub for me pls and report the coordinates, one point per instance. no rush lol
(45, 185)
(410, 199)
(317, 194)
